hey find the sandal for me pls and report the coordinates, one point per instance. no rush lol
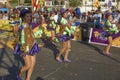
(107, 53)
(18, 78)
(69, 61)
(59, 60)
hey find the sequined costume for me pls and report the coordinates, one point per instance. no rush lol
(14, 20)
(26, 44)
(67, 34)
(52, 24)
(111, 29)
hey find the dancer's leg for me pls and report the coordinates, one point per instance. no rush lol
(32, 65)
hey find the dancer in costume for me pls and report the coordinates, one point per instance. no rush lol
(25, 45)
(14, 16)
(52, 26)
(111, 29)
(64, 36)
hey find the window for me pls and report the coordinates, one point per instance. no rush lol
(56, 2)
(101, 0)
(27, 1)
(113, 0)
(48, 3)
(90, 0)
(62, 2)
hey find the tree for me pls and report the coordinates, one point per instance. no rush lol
(14, 1)
(27, 1)
(75, 3)
(118, 4)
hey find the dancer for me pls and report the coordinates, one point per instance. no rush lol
(52, 26)
(64, 36)
(25, 45)
(111, 29)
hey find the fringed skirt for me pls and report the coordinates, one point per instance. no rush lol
(64, 38)
(34, 50)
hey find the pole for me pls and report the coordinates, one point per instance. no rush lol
(18, 2)
(118, 4)
(85, 6)
(32, 4)
(59, 1)
(32, 1)
(53, 2)
(92, 4)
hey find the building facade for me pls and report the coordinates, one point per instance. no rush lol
(88, 5)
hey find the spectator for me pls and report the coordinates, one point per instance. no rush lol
(5, 15)
(1, 15)
(78, 11)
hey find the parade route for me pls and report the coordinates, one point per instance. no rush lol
(78, 39)
(87, 63)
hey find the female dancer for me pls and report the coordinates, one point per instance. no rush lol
(25, 45)
(111, 29)
(52, 26)
(64, 36)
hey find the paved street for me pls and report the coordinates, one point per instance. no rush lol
(87, 63)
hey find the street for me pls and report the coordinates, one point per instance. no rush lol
(88, 63)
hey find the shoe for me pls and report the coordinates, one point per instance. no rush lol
(69, 61)
(70, 50)
(59, 60)
(18, 78)
(107, 54)
(53, 43)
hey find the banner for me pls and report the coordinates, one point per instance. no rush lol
(97, 37)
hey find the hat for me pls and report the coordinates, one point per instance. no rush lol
(52, 12)
(14, 9)
(62, 10)
(107, 15)
(23, 12)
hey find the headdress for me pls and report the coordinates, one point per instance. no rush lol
(23, 12)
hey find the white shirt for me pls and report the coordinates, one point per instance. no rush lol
(5, 17)
(56, 18)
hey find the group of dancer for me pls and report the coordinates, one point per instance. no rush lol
(26, 46)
